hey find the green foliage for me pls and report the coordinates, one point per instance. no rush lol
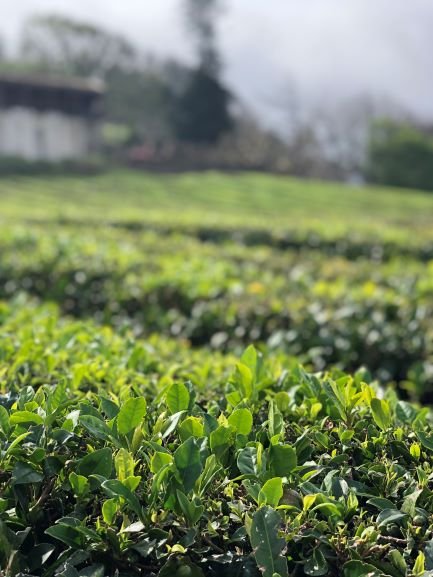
(126, 457)
(177, 398)
(266, 486)
(351, 289)
(400, 155)
(266, 544)
(381, 413)
(130, 415)
(202, 112)
(58, 44)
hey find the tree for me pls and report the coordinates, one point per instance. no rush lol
(201, 16)
(63, 45)
(202, 111)
(141, 99)
(137, 93)
(400, 154)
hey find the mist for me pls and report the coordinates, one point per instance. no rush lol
(325, 50)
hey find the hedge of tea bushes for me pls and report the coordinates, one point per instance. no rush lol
(126, 458)
(245, 207)
(324, 310)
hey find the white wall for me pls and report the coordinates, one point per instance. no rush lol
(50, 136)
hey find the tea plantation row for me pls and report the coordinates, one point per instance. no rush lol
(253, 208)
(130, 458)
(326, 310)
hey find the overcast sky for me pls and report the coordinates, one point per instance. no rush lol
(328, 49)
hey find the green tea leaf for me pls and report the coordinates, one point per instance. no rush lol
(25, 417)
(242, 421)
(405, 412)
(381, 413)
(282, 460)
(220, 441)
(244, 380)
(66, 534)
(316, 564)
(160, 460)
(4, 420)
(191, 511)
(409, 502)
(99, 462)
(177, 398)
(271, 492)
(191, 427)
(124, 464)
(247, 461)
(131, 414)
(426, 441)
(388, 516)
(419, 567)
(267, 545)
(109, 510)
(188, 463)
(275, 419)
(381, 503)
(115, 488)
(79, 484)
(96, 427)
(24, 474)
(357, 568)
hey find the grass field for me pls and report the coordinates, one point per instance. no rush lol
(141, 432)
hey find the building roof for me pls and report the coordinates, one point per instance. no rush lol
(82, 85)
(73, 96)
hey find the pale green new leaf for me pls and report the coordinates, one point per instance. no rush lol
(381, 413)
(242, 421)
(131, 414)
(177, 398)
(271, 492)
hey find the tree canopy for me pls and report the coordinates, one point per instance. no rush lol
(65, 45)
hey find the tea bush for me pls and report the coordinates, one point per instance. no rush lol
(325, 310)
(117, 459)
(141, 434)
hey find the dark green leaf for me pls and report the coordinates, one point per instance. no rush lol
(24, 474)
(67, 534)
(267, 545)
(282, 460)
(188, 463)
(316, 565)
(115, 488)
(99, 462)
(389, 516)
(360, 569)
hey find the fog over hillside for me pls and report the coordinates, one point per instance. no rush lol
(327, 49)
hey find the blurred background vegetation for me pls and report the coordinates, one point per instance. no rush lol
(170, 115)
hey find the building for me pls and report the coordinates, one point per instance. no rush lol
(45, 119)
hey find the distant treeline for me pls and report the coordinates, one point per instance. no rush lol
(167, 115)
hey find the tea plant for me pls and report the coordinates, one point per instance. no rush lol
(113, 464)
(325, 311)
(133, 444)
